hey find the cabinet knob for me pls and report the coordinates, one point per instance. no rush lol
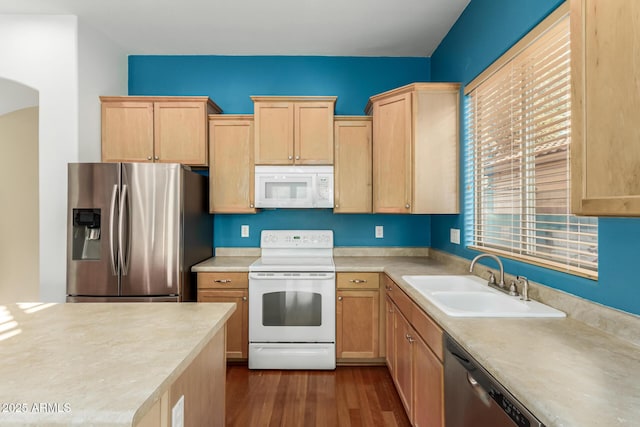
(297, 157)
(251, 205)
(244, 298)
(156, 158)
(337, 205)
(339, 298)
(290, 157)
(148, 157)
(407, 206)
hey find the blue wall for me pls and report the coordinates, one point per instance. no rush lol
(231, 80)
(485, 30)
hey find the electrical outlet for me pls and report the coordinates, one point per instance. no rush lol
(454, 235)
(244, 231)
(379, 232)
(177, 413)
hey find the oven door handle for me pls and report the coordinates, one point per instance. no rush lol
(292, 276)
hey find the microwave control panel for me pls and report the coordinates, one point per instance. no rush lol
(325, 188)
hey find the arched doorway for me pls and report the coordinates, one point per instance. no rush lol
(19, 194)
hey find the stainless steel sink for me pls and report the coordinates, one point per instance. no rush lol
(470, 296)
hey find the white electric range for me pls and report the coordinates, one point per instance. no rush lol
(292, 308)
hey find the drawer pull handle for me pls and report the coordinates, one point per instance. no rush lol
(358, 281)
(222, 281)
(409, 338)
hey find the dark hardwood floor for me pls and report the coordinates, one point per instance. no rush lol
(348, 396)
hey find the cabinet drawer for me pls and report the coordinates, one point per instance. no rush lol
(358, 281)
(223, 280)
(402, 301)
(428, 330)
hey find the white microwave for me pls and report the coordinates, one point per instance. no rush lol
(294, 186)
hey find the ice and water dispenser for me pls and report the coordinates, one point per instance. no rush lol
(86, 234)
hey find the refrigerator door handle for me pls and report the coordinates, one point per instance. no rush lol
(122, 242)
(112, 213)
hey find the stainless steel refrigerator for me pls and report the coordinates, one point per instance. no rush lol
(134, 231)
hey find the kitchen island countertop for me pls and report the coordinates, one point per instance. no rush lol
(97, 364)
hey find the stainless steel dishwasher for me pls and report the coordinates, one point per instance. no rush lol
(473, 398)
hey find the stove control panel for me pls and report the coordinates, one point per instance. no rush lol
(309, 239)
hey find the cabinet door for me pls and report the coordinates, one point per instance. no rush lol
(273, 133)
(390, 335)
(352, 167)
(181, 133)
(127, 131)
(357, 325)
(605, 148)
(392, 155)
(231, 167)
(403, 360)
(238, 323)
(313, 133)
(428, 380)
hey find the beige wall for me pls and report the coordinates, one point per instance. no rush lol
(19, 207)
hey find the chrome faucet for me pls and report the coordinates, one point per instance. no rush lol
(524, 295)
(473, 262)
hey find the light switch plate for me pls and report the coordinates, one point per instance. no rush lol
(244, 231)
(379, 232)
(177, 413)
(455, 235)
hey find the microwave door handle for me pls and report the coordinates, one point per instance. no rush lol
(314, 190)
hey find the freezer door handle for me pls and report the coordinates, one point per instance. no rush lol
(123, 243)
(112, 215)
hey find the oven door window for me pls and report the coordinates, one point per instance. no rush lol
(291, 308)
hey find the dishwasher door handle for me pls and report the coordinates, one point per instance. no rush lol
(478, 390)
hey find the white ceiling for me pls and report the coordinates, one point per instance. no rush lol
(261, 27)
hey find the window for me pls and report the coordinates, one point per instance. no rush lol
(518, 135)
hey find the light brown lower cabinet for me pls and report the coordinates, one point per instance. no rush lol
(357, 316)
(416, 360)
(403, 349)
(201, 385)
(390, 335)
(230, 287)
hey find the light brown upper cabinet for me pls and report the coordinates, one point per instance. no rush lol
(605, 136)
(415, 149)
(156, 129)
(231, 168)
(293, 130)
(352, 168)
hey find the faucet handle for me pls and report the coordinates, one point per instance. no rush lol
(513, 290)
(492, 278)
(525, 288)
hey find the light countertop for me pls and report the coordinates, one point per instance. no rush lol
(567, 373)
(96, 364)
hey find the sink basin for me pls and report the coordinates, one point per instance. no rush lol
(470, 296)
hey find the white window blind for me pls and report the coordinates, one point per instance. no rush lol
(519, 130)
